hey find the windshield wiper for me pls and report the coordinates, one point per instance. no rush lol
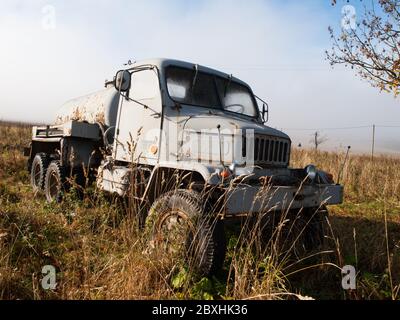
(196, 68)
(227, 85)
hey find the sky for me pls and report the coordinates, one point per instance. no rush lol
(52, 51)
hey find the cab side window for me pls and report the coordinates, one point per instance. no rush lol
(145, 85)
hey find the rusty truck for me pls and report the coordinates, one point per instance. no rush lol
(161, 118)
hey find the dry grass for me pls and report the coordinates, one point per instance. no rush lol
(99, 254)
(365, 180)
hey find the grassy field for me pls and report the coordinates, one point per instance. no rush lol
(99, 254)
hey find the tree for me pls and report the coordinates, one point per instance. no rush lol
(318, 139)
(370, 44)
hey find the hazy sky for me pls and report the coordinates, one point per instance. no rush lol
(276, 46)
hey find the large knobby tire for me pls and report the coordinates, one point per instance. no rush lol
(180, 228)
(38, 172)
(296, 233)
(309, 229)
(55, 182)
(315, 231)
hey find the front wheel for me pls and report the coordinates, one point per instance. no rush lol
(181, 230)
(315, 230)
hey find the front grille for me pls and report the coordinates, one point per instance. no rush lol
(272, 151)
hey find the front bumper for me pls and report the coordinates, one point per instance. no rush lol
(244, 200)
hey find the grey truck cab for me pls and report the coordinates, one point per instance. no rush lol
(161, 119)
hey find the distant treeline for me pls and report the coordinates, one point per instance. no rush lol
(17, 123)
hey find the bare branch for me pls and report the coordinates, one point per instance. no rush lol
(373, 47)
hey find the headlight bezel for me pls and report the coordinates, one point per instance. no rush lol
(312, 172)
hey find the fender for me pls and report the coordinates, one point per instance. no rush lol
(208, 174)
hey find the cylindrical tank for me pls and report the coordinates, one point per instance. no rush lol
(101, 106)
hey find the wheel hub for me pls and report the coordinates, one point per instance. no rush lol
(172, 232)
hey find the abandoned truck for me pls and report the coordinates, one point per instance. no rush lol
(163, 118)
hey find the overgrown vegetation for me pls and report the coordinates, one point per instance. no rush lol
(99, 253)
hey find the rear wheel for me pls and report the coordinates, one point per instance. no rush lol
(55, 182)
(38, 172)
(180, 230)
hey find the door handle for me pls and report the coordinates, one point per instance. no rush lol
(156, 115)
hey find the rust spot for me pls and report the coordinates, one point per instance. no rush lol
(100, 117)
(77, 114)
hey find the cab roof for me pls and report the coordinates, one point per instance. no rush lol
(162, 63)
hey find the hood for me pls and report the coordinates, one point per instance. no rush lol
(232, 123)
(201, 140)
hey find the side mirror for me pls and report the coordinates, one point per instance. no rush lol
(122, 81)
(264, 109)
(265, 113)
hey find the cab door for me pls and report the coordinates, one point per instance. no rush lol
(139, 121)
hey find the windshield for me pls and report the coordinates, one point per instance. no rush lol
(202, 89)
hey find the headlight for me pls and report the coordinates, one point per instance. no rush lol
(233, 166)
(311, 172)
